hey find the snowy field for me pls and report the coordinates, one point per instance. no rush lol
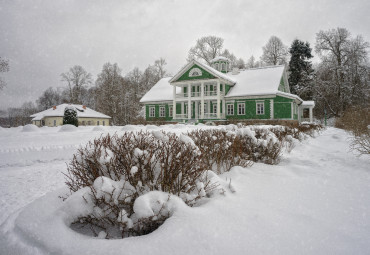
(316, 201)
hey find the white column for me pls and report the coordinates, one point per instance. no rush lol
(311, 117)
(196, 110)
(291, 112)
(218, 100)
(174, 102)
(223, 109)
(189, 101)
(202, 100)
(272, 109)
(299, 113)
(182, 108)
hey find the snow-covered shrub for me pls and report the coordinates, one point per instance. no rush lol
(70, 116)
(30, 128)
(221, 149)
(116, 170)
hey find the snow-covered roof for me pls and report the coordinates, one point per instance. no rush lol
(220, 58)
(250, 82)
(161, 91)
(308, 103)
(256, 81)
(209, 69)
(59, 112)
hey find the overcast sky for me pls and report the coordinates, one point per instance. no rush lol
(43, 39)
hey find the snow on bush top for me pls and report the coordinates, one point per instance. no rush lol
(30, 128)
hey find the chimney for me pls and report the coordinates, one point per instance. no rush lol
(235, 71)
(84, 106)
(54, 107)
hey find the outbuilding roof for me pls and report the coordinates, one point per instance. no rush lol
(58, 111)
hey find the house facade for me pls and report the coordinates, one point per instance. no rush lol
(54, 116)
(201, 93)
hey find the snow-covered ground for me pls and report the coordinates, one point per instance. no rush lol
(316, 201)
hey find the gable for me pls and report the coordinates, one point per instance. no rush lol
(195, 72)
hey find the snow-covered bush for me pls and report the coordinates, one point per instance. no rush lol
(112, 172)
(221, 149)
(70, 116)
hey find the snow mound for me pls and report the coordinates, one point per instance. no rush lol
(30, 128)
(68, 128)
(129, 128)
(99, 128)
(151, 127)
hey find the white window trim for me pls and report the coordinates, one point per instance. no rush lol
(162, 111)
(195, 72)
(232, 109)
(243, 107)
(150, 111)
(263, 105)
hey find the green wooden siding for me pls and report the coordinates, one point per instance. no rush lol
(250, 109)
(282, 85)
(205, 75)
(282, 109)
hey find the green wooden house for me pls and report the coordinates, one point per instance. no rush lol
(199, 92)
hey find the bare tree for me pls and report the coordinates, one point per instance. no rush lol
(76, 78)
(342, 79)
(274, 52)
(240, 63)
(206, 48)
(4, 67)
(251, 63)
(109, 92)
(48, 99)
(159, 66)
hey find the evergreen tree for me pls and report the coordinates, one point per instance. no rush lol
(300, 69)
(70, 116)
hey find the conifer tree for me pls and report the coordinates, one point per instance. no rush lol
(300, 68)
(70, 116)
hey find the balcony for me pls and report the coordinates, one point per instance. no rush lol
(197, 94)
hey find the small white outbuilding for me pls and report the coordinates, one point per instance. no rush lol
(54, 116)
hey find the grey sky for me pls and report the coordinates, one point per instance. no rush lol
(42, 39)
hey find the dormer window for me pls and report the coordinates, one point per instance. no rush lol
(216, 67)
(195, 72)
(223, 67)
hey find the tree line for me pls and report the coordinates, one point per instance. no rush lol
(337, 82)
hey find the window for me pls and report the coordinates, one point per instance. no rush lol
(152, 111)
(216, 67)
(103, 123)
(98, 123)
(241, 108)
(230, 109)
(223, 67)
(195, 72)
(260, 108)
(83, 123)
(185, 108)
(170, 111)
(89, 123)
(55, 123)
(214, 108)
(43, 123)
(162, 112)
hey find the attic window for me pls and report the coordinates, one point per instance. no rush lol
(195, 72)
